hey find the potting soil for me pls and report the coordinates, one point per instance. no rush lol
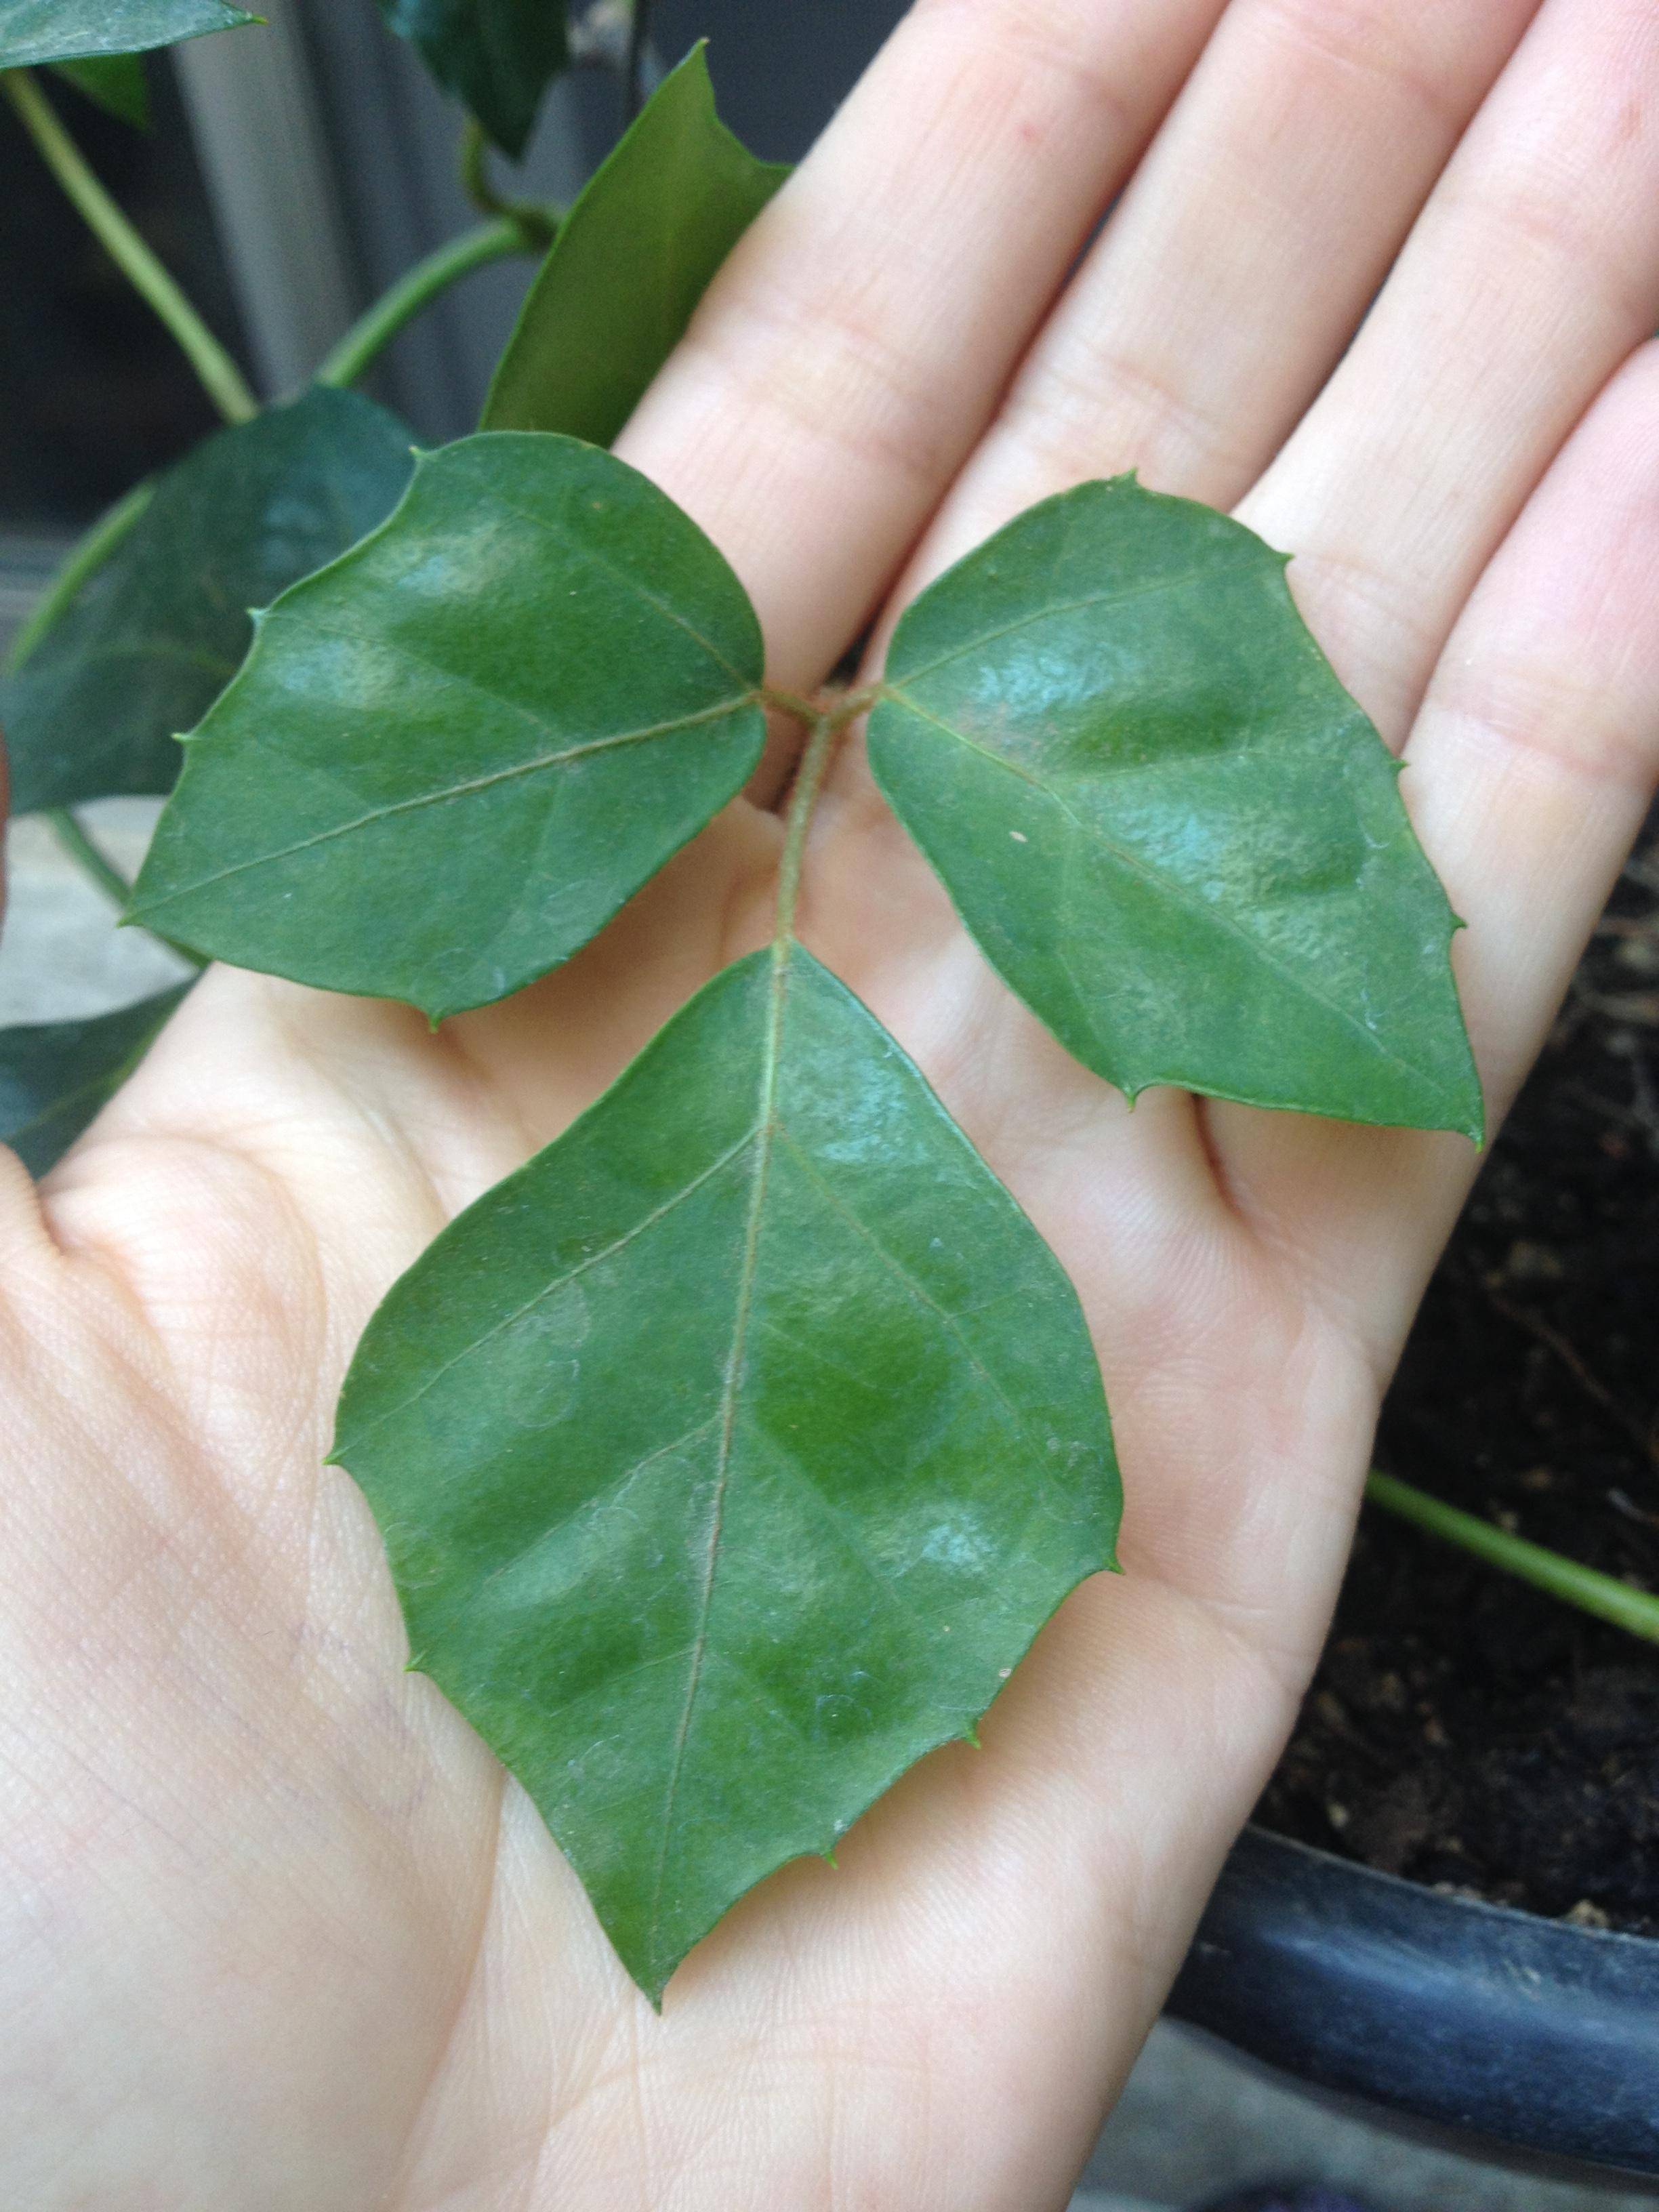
(1465, 1730)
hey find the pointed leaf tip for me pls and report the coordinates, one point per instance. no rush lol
(1226, 895)
(695, 1602)
(36, 31)
(631, 262)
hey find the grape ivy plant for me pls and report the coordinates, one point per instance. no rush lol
(730, 1453)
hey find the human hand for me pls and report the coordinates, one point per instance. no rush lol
(276, 1933)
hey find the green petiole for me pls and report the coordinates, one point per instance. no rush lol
(369, 338)
(536, 223)
(87, 857)
(218, 374)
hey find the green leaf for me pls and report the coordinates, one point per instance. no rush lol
(160, 623)
(88, 556)
(35, 31)
(729, 1455)
(456, 753)
(54, 1076)
(115, 82)
(498, 56)
(631, 261)
(1165, 822)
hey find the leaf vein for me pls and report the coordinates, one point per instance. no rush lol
(560, 1282)
(629, 584)
(587, 746)
(1171, 887)
(903, 1275)
(1050, 610)
(765, 1131)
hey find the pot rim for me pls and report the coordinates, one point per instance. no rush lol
(1485, 2025)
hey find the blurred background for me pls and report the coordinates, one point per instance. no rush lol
(293, 174)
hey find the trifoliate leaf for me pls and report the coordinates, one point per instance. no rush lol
(631, 261)
(1165, 821)
(729, 1455)
(456, 753)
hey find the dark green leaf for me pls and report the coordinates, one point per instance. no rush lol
(729, 1455)
(54, 1076)
(160, 624)
(35, 31)
(498, 56)
(634, 257)
(456, 753)
(84, 558)
(1165, 821)
(114, 81)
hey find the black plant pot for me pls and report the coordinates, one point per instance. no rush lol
(1491, 2028)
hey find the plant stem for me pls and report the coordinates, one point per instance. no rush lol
(87, 856)
(89, 555)
(809, 780)
(472, 166)
(826, 717)
(219, 375)
(1602, 1596)
(369, 336)
(538, 223)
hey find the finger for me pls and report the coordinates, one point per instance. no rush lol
(850, 353)
(1529, 773)
(1532, 275)
(841, 364)
(1243, 254)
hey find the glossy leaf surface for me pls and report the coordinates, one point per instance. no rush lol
(635, 254)
(454, 754)
(729, 1455)
(159, 628)
(34, 31)
(1166, 823)
(115, 82)
(54, 1076)
(498, 56)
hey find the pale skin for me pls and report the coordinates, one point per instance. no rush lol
(274, 1931)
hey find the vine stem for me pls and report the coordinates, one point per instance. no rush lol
(219, 376)
(1603, 1596)
(87, 857)
(369, 336)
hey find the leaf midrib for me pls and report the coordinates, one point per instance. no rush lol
(1051, 611)
(456, 791)
(765, 1134)
(631, 584)
(1166, 886)
(560, 1282)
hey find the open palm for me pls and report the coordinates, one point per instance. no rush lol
(275, 1932)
